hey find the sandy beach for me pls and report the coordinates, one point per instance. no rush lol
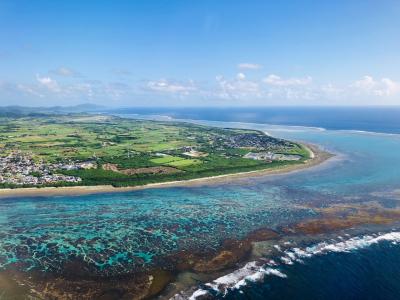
(317, 156)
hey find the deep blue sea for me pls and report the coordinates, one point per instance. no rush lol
(376, 119)
(372, 272)
(115, 232)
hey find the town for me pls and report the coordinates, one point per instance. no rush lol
(270, 156)
(19, 168)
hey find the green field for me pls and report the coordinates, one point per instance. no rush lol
(134, 146)
(166, 159)
(184, 163)
(175, 161)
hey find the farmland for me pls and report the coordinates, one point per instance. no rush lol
(81, 149)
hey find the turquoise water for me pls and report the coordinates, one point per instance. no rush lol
(365, 161)
(115, 233)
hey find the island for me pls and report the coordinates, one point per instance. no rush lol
(78, 149)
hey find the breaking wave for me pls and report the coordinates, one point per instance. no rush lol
(257, 271)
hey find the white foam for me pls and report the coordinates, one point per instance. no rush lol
(296, 254)
(370, 132)
(254, 272)
(286, 260)
(272, 262)
(251, 272)
(231, 279)
(198, 293)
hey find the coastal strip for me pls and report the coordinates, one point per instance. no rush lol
(317, 157)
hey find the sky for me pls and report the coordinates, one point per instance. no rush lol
(199, 53)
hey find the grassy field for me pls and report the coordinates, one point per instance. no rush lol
(128, 144)
(175, 161)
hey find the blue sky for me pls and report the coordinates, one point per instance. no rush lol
(199, 53)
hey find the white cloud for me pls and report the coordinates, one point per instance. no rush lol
(48, 87)
(116, 89)
(45, 90)
(391, 87)
(276, 80)
(48, 83)
(28, 90)
(366, 83)
(383, 87)
(251, 90)
(330, 89)
(83, 89)
(166, 86)
(239, 87)
(241, 76)
(249, 66)
(64, 71)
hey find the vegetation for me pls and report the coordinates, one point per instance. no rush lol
(129, 152)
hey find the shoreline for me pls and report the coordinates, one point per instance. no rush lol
(317, 157)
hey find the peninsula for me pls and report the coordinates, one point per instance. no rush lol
(103, 151)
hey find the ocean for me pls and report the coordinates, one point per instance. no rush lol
(374, 119)
(115, 233)
(360, 267)
(352, 269)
